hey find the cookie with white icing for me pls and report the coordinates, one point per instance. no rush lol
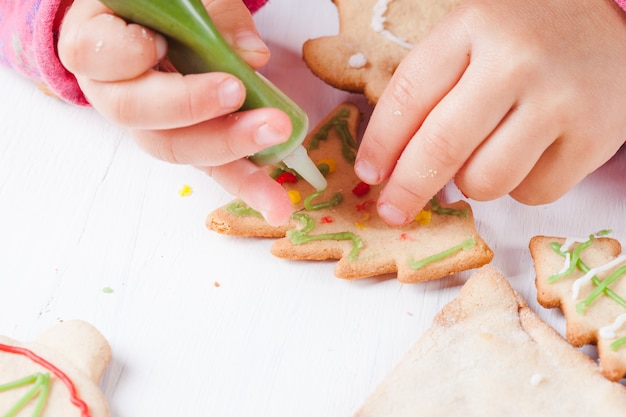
(488, 354)
(55, 375)
(586, 278)
(374, 36)
(342, 222)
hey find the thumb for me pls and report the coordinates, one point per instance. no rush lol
(234, 21)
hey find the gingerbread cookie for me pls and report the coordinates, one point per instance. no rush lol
(585, 278)
(342, 222)
(374, 36)
(488, 354)
(55, 375)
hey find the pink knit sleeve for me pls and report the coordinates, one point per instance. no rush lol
(621, 3)
(28, 36)
(28, 44)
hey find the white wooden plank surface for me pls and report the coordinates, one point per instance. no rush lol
(81, 209)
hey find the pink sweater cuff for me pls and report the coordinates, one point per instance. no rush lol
(52, 72)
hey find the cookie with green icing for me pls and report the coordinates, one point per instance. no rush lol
(55, 375)
(341, 223)
(586, 278)
(374, 36)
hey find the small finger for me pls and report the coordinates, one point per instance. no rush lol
(559, 169)
(218, 141)
(235, 23)
(165, 100)
(506, 157)
(95, 43)
(421, 80)
(254, 186)
(457, 126)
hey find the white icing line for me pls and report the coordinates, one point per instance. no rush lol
(608, 332)
(566, 264)
(566, 247)
(594, 271)
(570, 241)
(378, 24)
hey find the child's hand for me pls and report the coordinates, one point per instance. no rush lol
(504, 96)
(180, 119)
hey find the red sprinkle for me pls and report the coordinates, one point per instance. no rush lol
(405, 237)
(364, 205)
(326, 219)
(286, 177)
(361, 189)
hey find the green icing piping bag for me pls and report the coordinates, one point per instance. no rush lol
(195, 46)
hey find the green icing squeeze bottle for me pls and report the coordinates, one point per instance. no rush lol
(196, 46)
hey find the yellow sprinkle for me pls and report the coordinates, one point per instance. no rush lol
(185, 191)
(423, 217)
(332, 165)
(360, 225)
(294, 196)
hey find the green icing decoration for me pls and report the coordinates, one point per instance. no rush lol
(575, 258)
(465, 245)
(241, 209)
(300, 236)
(436, 207)
(40, 388)
(335, 200)
(584, 268)
(601, 285)
(618, 343)
(338, 122)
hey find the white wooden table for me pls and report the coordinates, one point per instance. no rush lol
(203, 324)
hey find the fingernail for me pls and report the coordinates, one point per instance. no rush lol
(267, 135)
(249, 41)
(161, 46)
(230, 93)
(366, 172)
(392, 215)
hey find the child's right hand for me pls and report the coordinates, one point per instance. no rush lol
(180, 119)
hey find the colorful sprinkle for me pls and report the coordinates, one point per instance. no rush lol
(406, 237)
(294, 196)
(329, 162)
(185, 191)
(361, 189)
(364, 205)
(424, 217)
(286, 177)
(326, 219)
